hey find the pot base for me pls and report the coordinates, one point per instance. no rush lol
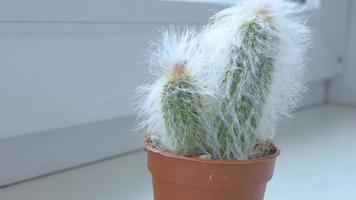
(167, 191)
(182, 178)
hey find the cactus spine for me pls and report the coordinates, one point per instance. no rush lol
(245, 86)
(181, 105)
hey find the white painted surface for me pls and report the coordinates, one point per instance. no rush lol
(329, 26)
(315, 164)
(64, 63)
(37, 154)
(61, 81)
(105, 11)
(343, 87)
(309, 4)
(314, 95)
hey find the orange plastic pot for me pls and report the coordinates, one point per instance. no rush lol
(182, 178)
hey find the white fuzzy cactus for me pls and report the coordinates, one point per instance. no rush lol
(247, 65)
(173, 105)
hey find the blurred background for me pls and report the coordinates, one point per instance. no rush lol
(68, 73)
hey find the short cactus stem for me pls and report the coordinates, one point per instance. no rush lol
(181, 105)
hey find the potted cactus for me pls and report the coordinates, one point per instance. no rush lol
(216, 96)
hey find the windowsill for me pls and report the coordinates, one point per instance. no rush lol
(317, 162)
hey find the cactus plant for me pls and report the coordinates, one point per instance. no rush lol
(245, 83)
(181, 105)
(245, 86)
(247, 64)
(172, 107)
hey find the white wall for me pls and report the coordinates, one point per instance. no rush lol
(64, 63)
(343, 88)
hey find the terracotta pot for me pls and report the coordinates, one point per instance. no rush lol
(182, 178)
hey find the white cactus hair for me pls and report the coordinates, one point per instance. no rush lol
(174, 47)
(287, 81)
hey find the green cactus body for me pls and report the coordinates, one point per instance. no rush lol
(181, 105)
(246, 84)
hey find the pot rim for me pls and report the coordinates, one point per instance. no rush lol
(149, 147)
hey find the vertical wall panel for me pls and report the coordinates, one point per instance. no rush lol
(343, 87)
